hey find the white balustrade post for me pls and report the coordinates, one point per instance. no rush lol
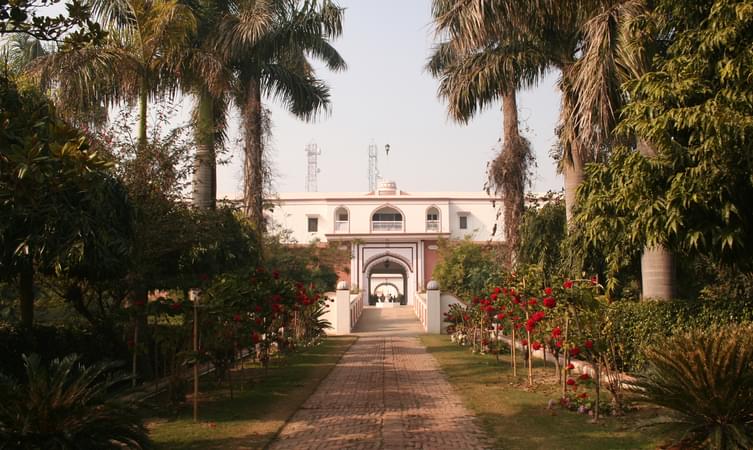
(342, 309)
(433, 308)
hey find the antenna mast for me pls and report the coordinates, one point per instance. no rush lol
(373, 169)
(312, 155)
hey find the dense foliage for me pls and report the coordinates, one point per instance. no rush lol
(466, 268)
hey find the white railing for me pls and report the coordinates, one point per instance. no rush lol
(386, 225)
(420, 307)
(342, 226)
(356, 308)
(432, 225)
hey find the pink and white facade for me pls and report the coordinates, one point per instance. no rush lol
(393, 233)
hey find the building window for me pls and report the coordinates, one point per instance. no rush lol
(341, 220)
(387, 219)
(313, 224)
(463, 222)
(432, 219)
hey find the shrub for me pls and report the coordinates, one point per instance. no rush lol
(66, 406)
(705, 378)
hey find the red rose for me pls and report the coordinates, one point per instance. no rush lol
(548, 291)
(500, 316)
(516, 300)
(538, 316)
(556, 332)
(524, 341)
(499, 327)
(493, 297)
(549, 302)
(558, 344)
(532, 301)
(512, 291)
(497, 290)
(589, 344)
(570, 382)
(584, 377)
(255, 338)
(536, 345)
(583, 395)
(504, 291)
(466, 317)
(530, 325)
(567, 284)
(237, 317)
(575, 351)
(594, 280)
(570, 366)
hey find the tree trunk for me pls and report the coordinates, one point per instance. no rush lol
(657, 263)
(573, 171)
(143, 103)
(26, 295)
(253, 172)
(513, 195)
(205, 164)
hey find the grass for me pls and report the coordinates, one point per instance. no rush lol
(518, 418)
(256, 413)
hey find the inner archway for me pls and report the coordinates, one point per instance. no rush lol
(387, 283)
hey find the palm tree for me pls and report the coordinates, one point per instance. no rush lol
(134, 64)
(475, 71)
(267, 45)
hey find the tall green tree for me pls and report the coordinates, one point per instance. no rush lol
(268, 44)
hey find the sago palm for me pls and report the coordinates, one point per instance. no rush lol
(68, 406)
(705, 378)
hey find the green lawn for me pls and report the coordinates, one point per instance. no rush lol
(256, 413)
(518, 418)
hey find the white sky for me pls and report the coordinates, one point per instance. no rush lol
(387, 96)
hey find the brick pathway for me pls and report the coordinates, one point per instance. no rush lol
(386, 393)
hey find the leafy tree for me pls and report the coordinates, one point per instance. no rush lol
(71, 29)
(541, 234)
(467, 269)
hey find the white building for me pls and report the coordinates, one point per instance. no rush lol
(393, 234)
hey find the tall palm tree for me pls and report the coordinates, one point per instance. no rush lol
(133, 65)
(616, 50)
(475, 71)
(267, 43)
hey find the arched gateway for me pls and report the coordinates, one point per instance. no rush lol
(393, 235)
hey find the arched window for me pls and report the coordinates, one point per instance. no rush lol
(387, 219)
(342, 220)
(432, 219)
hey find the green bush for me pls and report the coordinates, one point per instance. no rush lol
(635, 326)
(705, 378)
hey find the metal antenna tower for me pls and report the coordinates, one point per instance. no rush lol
(373, 169)
(312, 156)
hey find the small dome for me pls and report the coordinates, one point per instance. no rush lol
(387, 188)
(432, 286)
(342, 285)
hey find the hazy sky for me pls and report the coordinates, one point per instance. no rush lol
(387, 97)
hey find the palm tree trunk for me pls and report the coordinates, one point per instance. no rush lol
(143, 104)
(205, 164)
(253, 173)
(513, 197)
(657, 263)
(573, 171)
(26, 294)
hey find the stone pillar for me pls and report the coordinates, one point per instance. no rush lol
(341, 324)
(433, 308)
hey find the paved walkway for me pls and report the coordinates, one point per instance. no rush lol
(386, 393)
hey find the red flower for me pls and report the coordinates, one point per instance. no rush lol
(258, 320)
(583, 395)
(512, 292)
(556, 332)
(500, 316)
(255, 338)
(584, 377)
(570, 382)
(538, 316)
(466, 317)
(549, 302)
(536, 345)
(524, 341)
(548, 291)
(589, 344)
(497, 290)
(530, 325)
(594, 280)
(475, 300)
(484, 342)
(237, 317)
(493, 296)
(558, 344)
(574, 351)
(532, 301)
(516, 300)
(499, 327)
(567, 284)
(570, 366)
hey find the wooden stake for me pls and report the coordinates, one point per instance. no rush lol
(196, 352)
